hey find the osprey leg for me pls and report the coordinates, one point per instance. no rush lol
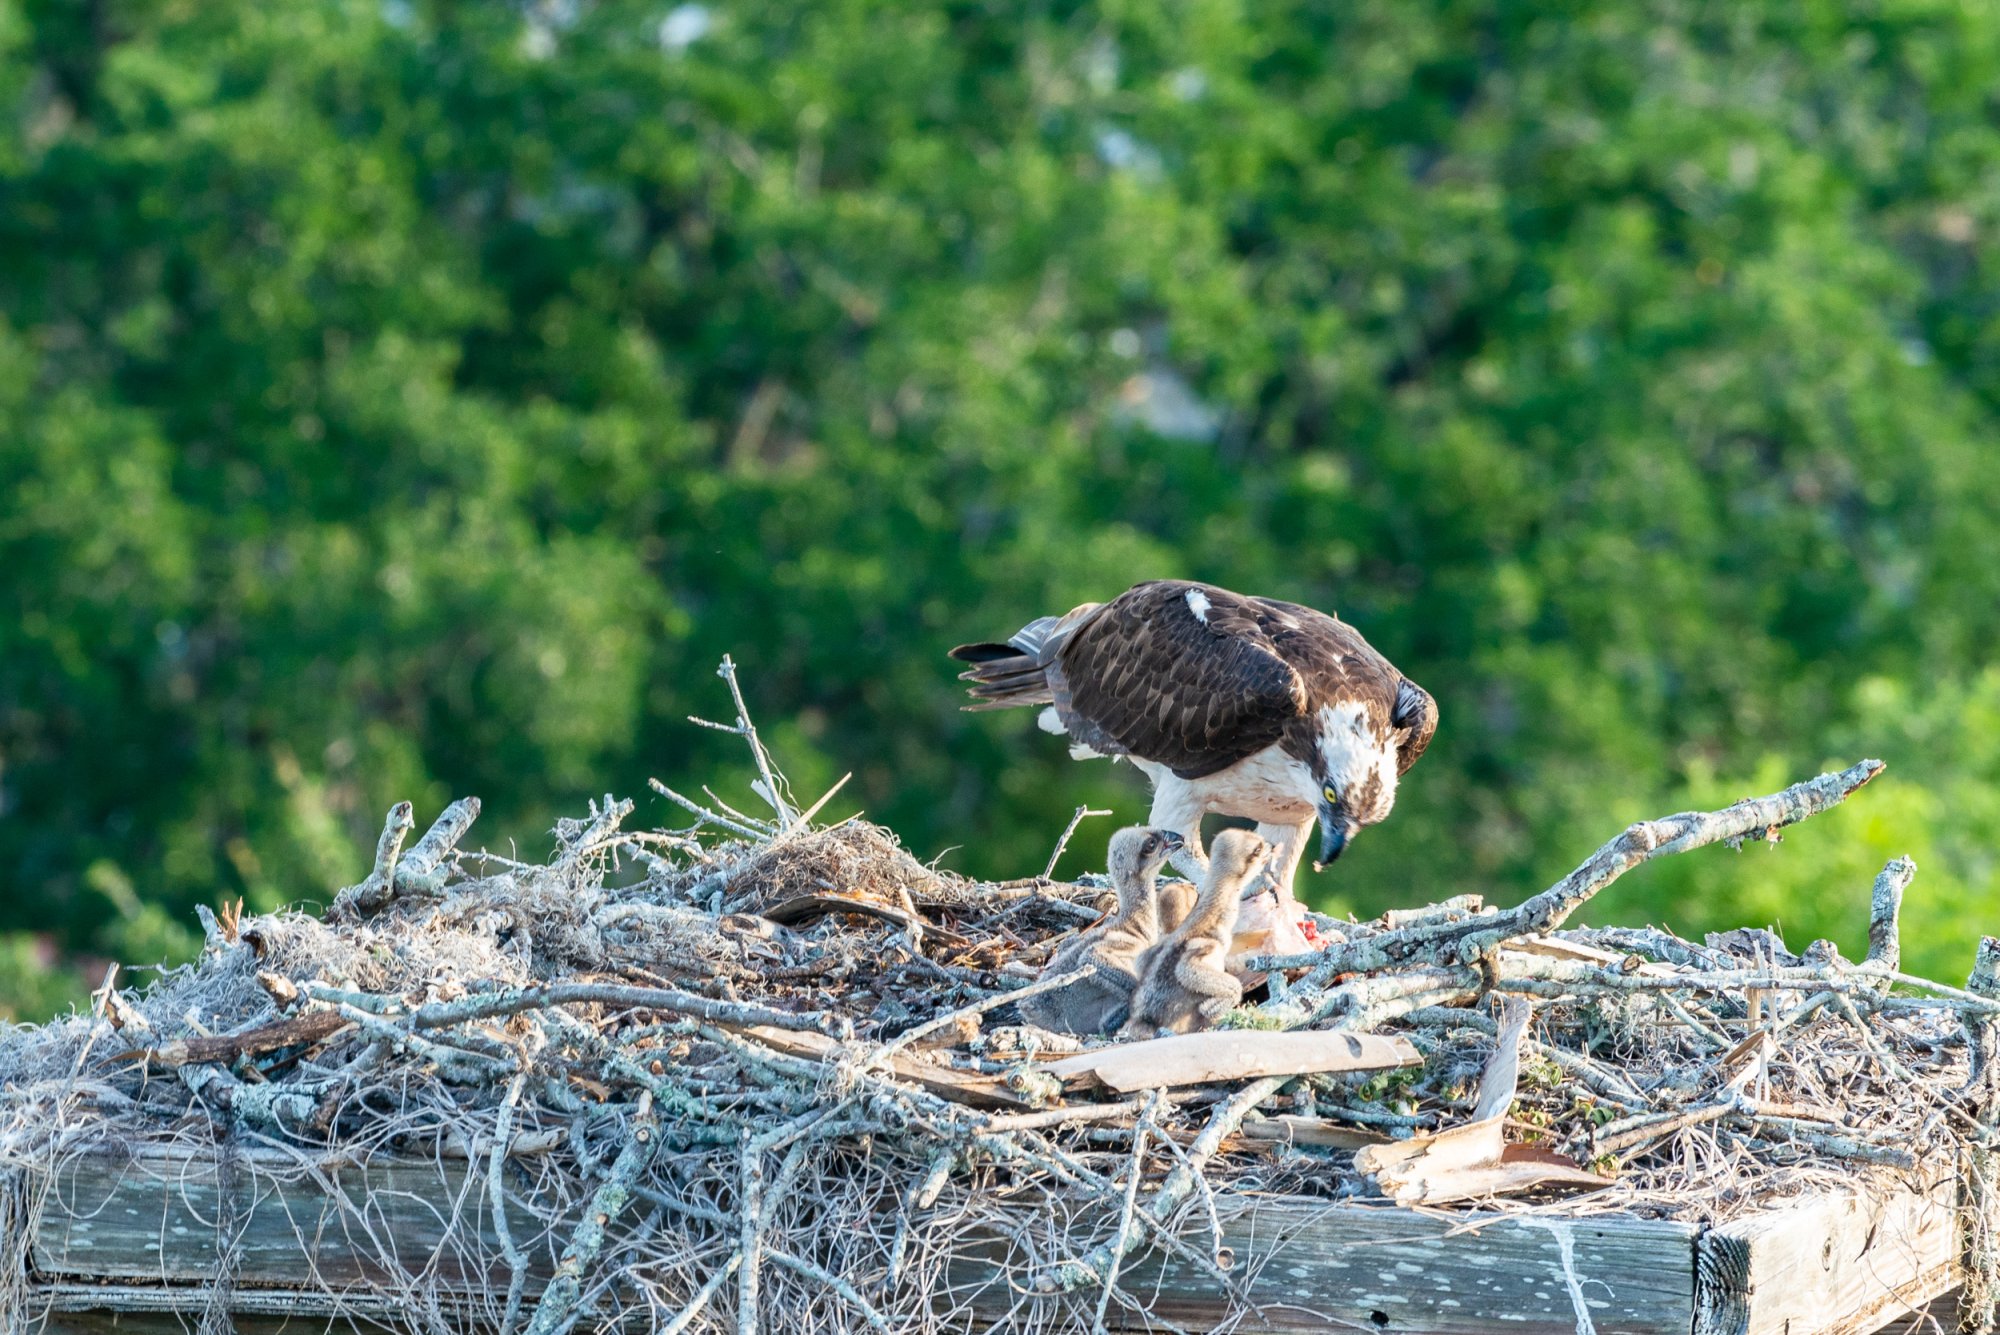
(1176, 807)
(1288, 848)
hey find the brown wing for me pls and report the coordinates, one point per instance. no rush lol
(1145, 676)
(1418, 713)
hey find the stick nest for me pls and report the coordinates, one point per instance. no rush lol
(758, 1064)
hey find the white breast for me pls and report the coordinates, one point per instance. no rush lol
(1268, 786)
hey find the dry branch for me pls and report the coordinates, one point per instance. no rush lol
(1885, 908)
(560, 1298)
(1062, 842)
(422, 869)
(1101, 1262)
(227, 1049)
(1467, 941)
(442, 1014)
(380, 887)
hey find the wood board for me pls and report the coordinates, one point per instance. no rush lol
(1834, 1264)
(120, 1237)
(171, 1221)
(1216, 1055)
(1314, 1267)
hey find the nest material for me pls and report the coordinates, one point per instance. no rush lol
(853, 858)
(700, 1113)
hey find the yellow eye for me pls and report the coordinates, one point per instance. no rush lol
(1328, 793)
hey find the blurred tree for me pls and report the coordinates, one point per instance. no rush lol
(405, 399)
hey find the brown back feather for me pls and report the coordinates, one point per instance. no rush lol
(1150, 678)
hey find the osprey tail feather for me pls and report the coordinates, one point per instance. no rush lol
(1005, 675)
(1002, 677)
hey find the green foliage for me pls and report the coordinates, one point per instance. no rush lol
(1248, 1017)
(401, 399)
(32, 985)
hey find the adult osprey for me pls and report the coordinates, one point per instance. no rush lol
(1242, 706)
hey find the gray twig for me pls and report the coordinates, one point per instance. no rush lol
(1222, 1123)
(769, 786)
(1468, 940)
(559, 1299)
(750, 1209)
(703, 813)
(687, 1315)
(1121, 1241)
(496, 1161)
(1075, 820)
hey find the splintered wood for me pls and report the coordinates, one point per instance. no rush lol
(694, 1079)
(1474, 1160)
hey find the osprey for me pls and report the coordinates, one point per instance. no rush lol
(1242, 706)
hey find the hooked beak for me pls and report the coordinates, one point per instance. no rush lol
(1173, 840)
(1335, 829)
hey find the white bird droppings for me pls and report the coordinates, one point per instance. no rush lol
(1565, 1238)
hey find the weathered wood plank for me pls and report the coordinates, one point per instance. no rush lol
(174, 1221)
(94, 1309)
(1313, 1267)
(1942, 1315)
(1834, 1264)
(171, 1222)
(119, 1236)
(1308, 1267)
(1395, 1269)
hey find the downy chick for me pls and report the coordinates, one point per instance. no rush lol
(1176, 902)
(1183, 985)
(1263, 926)
(1098, 1004)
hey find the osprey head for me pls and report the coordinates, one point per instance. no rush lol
(1354, 765)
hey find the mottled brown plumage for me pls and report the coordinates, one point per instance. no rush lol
(1183, 982)
(1100, 1002)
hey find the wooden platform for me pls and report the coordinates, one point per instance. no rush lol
(132, 1245)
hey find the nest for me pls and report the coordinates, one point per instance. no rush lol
(758, 1064)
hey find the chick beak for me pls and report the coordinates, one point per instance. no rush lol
(1172, 841)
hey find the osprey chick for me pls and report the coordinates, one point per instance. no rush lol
(1099, 1003)
(1184, 982)
(1242, 706)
